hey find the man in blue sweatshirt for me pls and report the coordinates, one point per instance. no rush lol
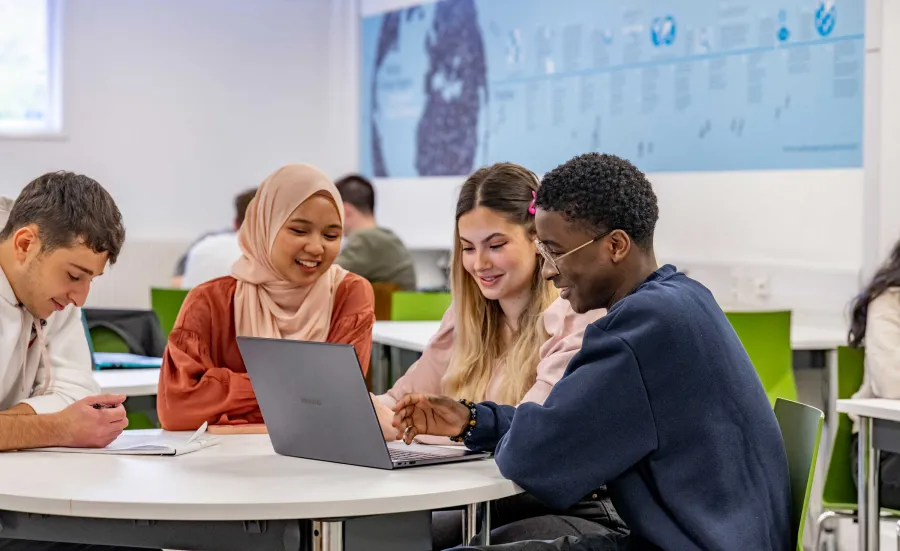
(662, 404)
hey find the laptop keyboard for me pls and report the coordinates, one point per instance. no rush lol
(403, 455)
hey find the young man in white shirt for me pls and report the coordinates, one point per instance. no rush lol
(210, 259)
(213, 255)
(59, 235)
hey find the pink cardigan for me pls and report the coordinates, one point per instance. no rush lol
(565, 327)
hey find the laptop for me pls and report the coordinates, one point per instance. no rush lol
(314, 400)
(110, 360)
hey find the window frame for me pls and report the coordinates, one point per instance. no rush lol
(52, 127)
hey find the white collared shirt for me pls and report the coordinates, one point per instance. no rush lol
(21, 372)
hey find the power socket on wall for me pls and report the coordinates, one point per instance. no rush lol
(750, 288)
(817, 295)
(763, 287)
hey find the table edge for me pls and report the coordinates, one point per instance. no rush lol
(256, 511)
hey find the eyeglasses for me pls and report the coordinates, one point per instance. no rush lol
(553, 259)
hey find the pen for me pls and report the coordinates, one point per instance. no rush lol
(104, 406)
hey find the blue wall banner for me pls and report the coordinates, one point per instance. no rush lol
(682, 85)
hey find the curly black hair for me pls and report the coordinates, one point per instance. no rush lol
(602, 192)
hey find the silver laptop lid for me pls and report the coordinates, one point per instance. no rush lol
(314, 401)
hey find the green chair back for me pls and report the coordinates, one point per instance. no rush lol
(167, 303)
(407, 306)
(767, 338)
(839, 492)
(87, 336)
(801, 429)
(107, 340)
(110, 341)
(139, 420)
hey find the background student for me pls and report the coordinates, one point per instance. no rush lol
(214, 255)
(371, 251)
(212, 251)
(875, 324)
(285, 285)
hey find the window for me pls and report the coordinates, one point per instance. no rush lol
(29, 83)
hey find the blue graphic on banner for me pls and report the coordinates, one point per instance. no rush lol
(662, 31)
(783, 33)
(452, 85)
(825, 17)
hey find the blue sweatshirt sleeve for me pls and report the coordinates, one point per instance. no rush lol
(595, 425)
(493, 422)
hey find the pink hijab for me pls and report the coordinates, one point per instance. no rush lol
(265, 304)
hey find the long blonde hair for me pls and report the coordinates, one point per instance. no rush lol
(507, 189)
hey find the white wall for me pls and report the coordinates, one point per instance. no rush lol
(767, 239)
(791, 239)
(810, 218)
(176, 105)
(883, 161)
(762, 239)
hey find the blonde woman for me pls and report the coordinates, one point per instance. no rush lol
(507, 338)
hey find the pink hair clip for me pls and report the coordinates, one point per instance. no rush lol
(531, 209)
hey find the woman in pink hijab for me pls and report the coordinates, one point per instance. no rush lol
(284, 286)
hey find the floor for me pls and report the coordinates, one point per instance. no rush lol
(847, 534)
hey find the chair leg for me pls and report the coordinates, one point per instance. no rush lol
(820, 527)
(898, 534)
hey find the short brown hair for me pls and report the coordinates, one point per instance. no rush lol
(241, 202)
(357, 191)
(66, 208)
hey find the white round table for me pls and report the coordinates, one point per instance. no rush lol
(408, 335)
(239, 479)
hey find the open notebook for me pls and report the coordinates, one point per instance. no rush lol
(149, 442)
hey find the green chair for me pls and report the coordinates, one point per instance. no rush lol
(411, 306)
(767, 338)
(167, 303)
(107, 340)
(801, 430)
(138, 420)
(103, 339)
(839, 496)
(408, 306)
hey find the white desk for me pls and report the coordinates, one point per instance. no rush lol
(130, 382)
(409, 335)
(879, 429)
(143, 382)
(815, 338)
(414, 335)
(240, 480)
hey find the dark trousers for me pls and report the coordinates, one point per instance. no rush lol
(523, 518)
(587, 542)
(889, 469)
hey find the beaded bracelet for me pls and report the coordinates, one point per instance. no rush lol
(470, 425)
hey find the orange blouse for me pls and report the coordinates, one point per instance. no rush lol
(203, 377)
